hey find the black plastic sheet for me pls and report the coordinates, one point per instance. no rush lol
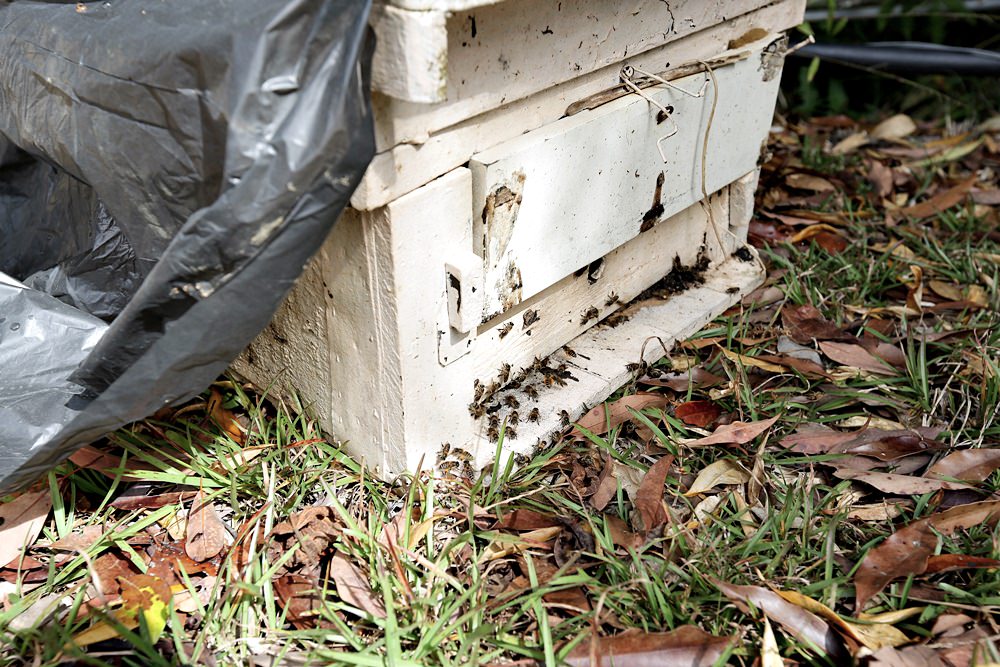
(167, 168)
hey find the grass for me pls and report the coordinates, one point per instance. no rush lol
(448, 584)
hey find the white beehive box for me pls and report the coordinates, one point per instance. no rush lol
(520, 196)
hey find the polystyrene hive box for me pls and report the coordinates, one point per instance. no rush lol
(485, 272)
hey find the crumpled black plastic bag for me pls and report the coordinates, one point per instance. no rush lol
(166, 167)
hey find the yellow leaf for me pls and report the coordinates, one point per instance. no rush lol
(147, 596)
(769, 656)
(891, 617)
(956, 153)
(873, 636)
(750, 361)
(103, 630)
(506, 545)
(724, 471)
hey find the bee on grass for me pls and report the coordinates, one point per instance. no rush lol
(534, 415)
(612, 299)
(530, 317)
(505, 329)
(590, 314)
(513, 417)
(511, 401)
(504, 373)
(564, 417)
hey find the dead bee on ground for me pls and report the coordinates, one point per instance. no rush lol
(491, 389)
(504, 373)
(477, 410)
(513, 417)
(531, 391)
(521, 459)
(569, 351)
(635, 367)
(564, 417)
(732, 290)
(511, 401)
(534, 415)
(590, 314)
(612, 299)
(530, 317)
(443, 452)
(478, 391)
(505, 329)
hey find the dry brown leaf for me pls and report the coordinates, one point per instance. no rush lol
(880, 176)
(951, 562)
(737, 433)
(850, 144)
(800, 623)
(872, 636)
(698, 413)
(809, 182)
(687, 646)
(906, 551)
(941, 201)
(21, 521)
(225, 419)
(967, 465)
(311, 532)
(806, 323)
(80, 541)
(877, 512)
(695, 378)
(855, 356)
(206, 534)
(888, 482)
(504, 545)
(718, 473)
(353, 587)
(606, 487)
(527, 520)
(750, 361)
(599, 421)
(894, 127)
(910, 656)
(815, 439)
(649, 497)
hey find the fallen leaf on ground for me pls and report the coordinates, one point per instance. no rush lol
(504, 544)
(855, 356)
(80, 541)
(599, 421)
(806, 323)
(809, 182)
(910, 656)
(949, 562)
(698, 413)
(353, 587)
(687, 646)
(894, 127)
(941, 201)
(745, 360)
(850, 143)
(723, 471)
(906, 551)
(737, 433)
(888, 482)
(649, 497)
(802, 624)
(224, 418)
(872, 636)
(206, 534)
(311, 532)
(967, 465)
(694, 378)
(133, 502)
(21, 521)
(769, 654)
(523, 519)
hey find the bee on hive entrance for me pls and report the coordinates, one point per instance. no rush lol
(461, 454)
(531, 391)
(477, 410)
(511, 401)
(530, 317)
(504, 373)
(443, 452)
(494, 420)
(493, 434)
(513, 417)
(511, 433)
(477, 391)
(732, 290)
(505, 329)
(612, 299)
(590, 314)
(569, 351)
(533, 416)
(564, 417)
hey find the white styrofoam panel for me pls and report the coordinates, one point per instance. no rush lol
(504, 52)
(398, 169)
(411, 54)
(555, 199)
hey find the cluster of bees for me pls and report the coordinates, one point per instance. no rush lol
(528, 381)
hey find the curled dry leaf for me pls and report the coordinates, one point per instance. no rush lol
(225, 419)
(855, 356)
(942, 201)
(806, 323)
(769, 654)
(723, 471)
(21, 521)
(950, 562)
(311, 532)
(967, 465)
(649, 497)
(737, 433)
(687, 646)
(681, 381)
(602, 418)
(894, 127)
(206, 535)
(888, 482)
(906, 551)
(872, 636)
(745, 360)
(800, 623)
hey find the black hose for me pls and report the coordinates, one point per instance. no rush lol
(909, 57)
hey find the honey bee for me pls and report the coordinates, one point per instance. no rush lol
(511, 401)
(494, 421)
(513, 417)
(590, 314)
(468, 472)
(564, 417)
(448, 466)
(612, 299)
(478, 391)
(510, 433)
(569, 351)
(504, 373)
(530, 317)
(531, 391)
(534, 415)
(493, 434)
(537, 363)
(461, 454)
(634, 367)
(477, 410)
(491, 389)
(732, 290)
(505, 329)
(443, 452)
